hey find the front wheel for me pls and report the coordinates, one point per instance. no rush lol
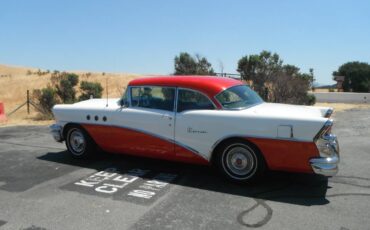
(240, 162)
(79, 143)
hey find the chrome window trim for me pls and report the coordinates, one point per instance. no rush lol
(125, 93)
(196, 91)
(240, 108)
(176, 96)
(138, 86)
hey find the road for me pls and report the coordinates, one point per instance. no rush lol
(41, 187)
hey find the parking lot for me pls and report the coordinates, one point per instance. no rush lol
(41, 187)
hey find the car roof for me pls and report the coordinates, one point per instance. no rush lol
(210, 85)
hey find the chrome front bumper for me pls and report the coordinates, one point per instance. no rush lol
(327, 163)
(56, 131)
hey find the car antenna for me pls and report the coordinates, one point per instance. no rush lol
(106, 86)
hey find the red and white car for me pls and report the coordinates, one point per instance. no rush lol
(203, 120)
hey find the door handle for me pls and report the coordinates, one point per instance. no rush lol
(167, 116)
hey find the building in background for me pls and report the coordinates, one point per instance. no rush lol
(339, 80)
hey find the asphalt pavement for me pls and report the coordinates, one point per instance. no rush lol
(41, 187)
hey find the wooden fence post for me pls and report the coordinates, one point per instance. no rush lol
(28, 102)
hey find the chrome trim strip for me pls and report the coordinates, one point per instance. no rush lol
(129, 96)
(190, 149)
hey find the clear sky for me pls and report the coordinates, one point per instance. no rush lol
(143, 37)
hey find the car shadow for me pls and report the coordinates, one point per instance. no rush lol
(293, 188)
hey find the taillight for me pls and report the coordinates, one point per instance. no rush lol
(326, 142)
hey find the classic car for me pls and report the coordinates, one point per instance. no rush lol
(203, 120)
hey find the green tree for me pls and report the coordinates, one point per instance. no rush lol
(90, 89)
(203, 67)
(291, 70)
(260, 68)
(185, 64)
(274, 81)
(356, 76)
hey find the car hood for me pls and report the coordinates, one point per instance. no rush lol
(295, 111)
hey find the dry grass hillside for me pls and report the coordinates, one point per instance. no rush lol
(15, 81)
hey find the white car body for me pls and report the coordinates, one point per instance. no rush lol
(269, 126)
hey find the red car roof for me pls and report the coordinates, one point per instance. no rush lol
(209, 85)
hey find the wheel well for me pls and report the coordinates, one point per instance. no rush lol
(221, 144)
(67, 127)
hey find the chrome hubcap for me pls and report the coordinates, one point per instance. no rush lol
(240, 161)
(77, 142)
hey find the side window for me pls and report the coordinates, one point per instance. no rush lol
(192, 100)
(153, 97)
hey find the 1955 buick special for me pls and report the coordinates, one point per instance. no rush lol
(203, 120)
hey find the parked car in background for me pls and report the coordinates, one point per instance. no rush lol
(202, 120)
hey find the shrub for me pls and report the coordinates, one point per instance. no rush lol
(90, 89)
(65, 87)
(311, 99)
(331, 90)
(45, 99)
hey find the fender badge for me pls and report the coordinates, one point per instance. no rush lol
(191, 130)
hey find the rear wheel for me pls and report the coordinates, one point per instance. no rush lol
(79, 143)
(240, 161)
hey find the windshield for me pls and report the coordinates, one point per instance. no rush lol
(238, 97)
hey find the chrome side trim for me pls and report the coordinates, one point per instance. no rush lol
(56, 130)
(189, 148)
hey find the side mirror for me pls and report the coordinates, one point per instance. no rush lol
(123, 102)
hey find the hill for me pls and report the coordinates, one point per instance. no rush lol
(15, 81)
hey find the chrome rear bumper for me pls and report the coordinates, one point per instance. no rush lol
(327, 163)
(325, 166)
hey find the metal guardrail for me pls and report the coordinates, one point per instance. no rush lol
(230, 75)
